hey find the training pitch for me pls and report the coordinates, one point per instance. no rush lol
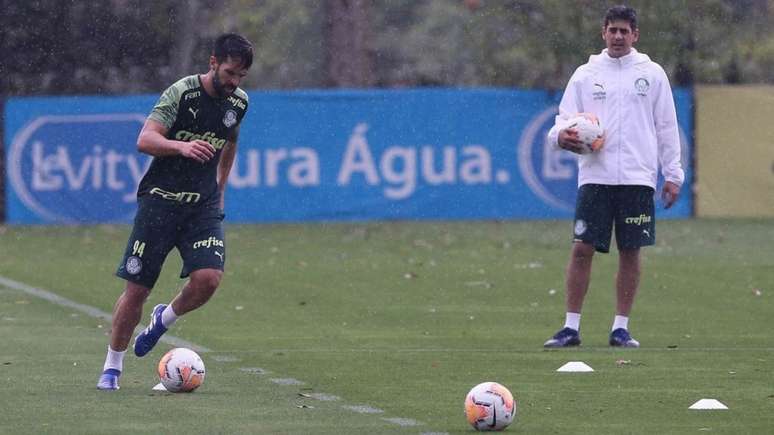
(384, 327)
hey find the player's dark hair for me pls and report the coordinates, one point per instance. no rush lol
(621, 13)
(234, 46)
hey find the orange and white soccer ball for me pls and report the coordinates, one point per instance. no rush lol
(490, 406)
(181, 370)
(590, 132)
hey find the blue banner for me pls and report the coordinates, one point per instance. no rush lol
(316, 156)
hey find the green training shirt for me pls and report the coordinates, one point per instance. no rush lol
(190, 113)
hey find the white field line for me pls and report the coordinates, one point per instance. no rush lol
(179, 342)
(287, 381)
(402, 421)
(363, 409)
(89, 310)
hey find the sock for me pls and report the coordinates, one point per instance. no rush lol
(168, 316)
(572, 320)
(620, 322)
(114, 360)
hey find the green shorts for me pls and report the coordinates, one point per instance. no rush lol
(630, 209)
(159, 226)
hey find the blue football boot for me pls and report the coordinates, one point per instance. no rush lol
(147, 339)
(108, 380)
(621, 338)
(566, 337)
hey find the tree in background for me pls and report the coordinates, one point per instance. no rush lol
(131, 46)
(289, 47)
(511, 43)
(346, 36)
(63, 47)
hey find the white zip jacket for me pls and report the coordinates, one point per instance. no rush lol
(632, 98)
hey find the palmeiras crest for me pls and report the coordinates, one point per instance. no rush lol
(230, 118)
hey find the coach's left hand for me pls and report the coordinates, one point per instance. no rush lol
(669, 193)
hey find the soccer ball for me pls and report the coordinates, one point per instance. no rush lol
(590, 132)
(181, 370)
(490, 406)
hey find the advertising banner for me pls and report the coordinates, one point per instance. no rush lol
(316, 156)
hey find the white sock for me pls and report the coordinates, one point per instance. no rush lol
(620, 322)
(114, 360)
(168, 316)
(572, 320)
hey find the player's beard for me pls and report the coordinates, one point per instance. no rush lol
(220, 89)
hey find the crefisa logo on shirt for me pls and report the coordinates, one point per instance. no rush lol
(76, 168)
(549, 171)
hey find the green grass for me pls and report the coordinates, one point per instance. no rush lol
(404, 317)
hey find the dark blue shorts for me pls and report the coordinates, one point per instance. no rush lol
(159, 226)
(630, 210)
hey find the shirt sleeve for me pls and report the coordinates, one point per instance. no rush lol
(667, 132)
(247, 106)
(570, 105)
(165, 110)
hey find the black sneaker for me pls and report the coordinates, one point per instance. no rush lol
(566, 337)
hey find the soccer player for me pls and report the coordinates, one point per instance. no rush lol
(192, 135)
(633, 100)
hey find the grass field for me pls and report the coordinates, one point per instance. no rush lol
(398, 321)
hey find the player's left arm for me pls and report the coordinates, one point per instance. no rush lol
(668, 139)
(226, 162)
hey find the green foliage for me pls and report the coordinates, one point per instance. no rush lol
(530, 44)
(55, 47)
(287, 40)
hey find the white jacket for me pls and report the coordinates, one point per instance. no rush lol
(632, 98)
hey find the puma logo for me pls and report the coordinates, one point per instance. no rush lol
(219, 255)
(193, 112)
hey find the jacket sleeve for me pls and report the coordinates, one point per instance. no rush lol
(667, 132)
(570, 105)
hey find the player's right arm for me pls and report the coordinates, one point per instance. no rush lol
(153, 141)
(559, 135)
(153, 137)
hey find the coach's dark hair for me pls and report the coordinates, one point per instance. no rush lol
(621, 13)
(233, 46)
